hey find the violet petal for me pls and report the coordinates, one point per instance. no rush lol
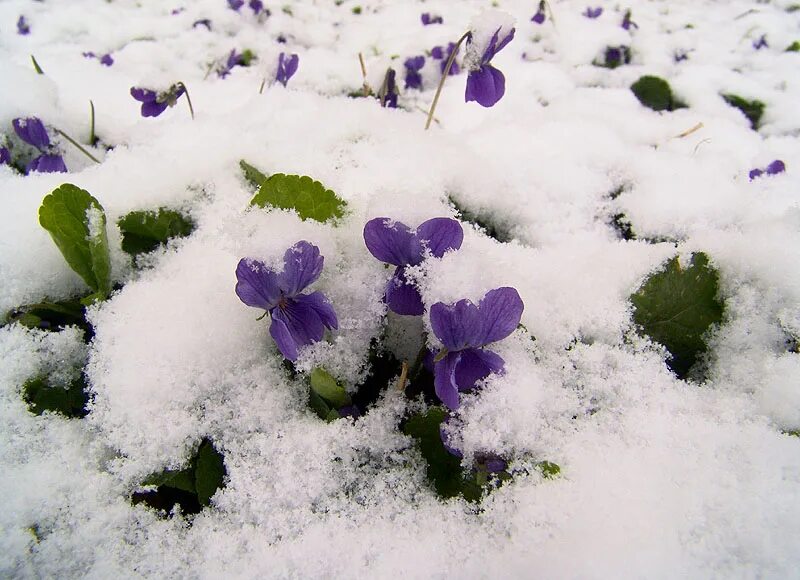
(283, 338)
(440, 235)
(392, 242)
(302, 265)
(32, 131)
(444, 379)
(320, 304)
(500, 310)
(401, 296)
(257, 285)
(485, 86)
(302, 322)
(47, 164)
(458, 325)
(476, 364)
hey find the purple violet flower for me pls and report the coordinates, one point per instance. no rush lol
(464, 329)
(106, 60)
(153, 103)
(761, 42)
(176, 11)
(297, 319)
(593, 12)
(287, 66)
(680, 56)
(617, 55)
(47, 164)
(235, 4)
(413, 77)
(32, 131)
(540, 16)
(23, 27)
(442, 54)
(234, 59)
(627, 22)
(428, 19)
(395, 243)
(256, 6)
(5, 156)
(202, 22)
(773, 168)
(485, 84)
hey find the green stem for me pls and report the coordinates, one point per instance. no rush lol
(92, 136)
(261, 88)
(36, 65)
(417, 366)
(188, 99)
(445, 73)
(78, 145)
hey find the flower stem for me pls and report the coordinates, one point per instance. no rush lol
(445, 73)
(188, 98)
(401, 382)
(366, 90)
(78, 145)
(382, 93)
(92, 136)
(36, 66)
(261, 88)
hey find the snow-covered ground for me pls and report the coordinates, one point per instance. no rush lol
(660, 477)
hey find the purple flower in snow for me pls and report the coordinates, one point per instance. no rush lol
(235, 4)
(442, 54)
(23, 27)
(176, 11)
(395, 243)
(32, 131)
(680, 56)
(287, 66)
(5, 156)
(593, 12)
(485, 84)
(627, 22)
(773, 168)
(202, 22)
(413, 66)
(761, 42)
(106, 59)
(464, 329)
(540, 16)
(235, 59)
(428, 19)
(297, 319)
(256, 6)
(617, 55)
(153, 103)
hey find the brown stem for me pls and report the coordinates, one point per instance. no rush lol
(445, 72)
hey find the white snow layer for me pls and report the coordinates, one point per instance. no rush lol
(660, 478)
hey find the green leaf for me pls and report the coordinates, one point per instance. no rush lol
(309, 198)
(77, 223)
(144, 231)
(178, 479)
(795, 433)
(655, 93)
(483, 222)
(318, 405)
(549, 469)
(252, 174)
(794, 47)
(209, 472)
(324, 385)
(50, 315)
(247, 57)
(676, 307)
(444, 469)
(753, 110)
(41, 396)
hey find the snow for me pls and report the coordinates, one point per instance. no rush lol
(660, 478)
